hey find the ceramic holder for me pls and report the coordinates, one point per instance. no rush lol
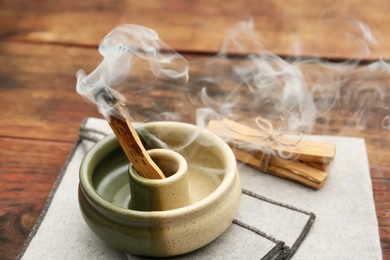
(161, 218)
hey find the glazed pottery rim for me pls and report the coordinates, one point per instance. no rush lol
(230, 174)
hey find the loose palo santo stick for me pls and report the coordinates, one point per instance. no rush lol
(129, 139)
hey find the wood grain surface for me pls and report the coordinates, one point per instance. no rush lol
(306, 28)
(44, 43)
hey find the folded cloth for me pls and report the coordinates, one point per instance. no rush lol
(266, 226)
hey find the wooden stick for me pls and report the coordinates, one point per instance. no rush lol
(292, 170)
(132, 145)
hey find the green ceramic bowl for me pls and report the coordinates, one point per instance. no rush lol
(213, 190)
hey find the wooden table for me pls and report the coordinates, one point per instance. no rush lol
(44, 43)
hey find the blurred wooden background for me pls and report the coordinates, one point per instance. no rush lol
(44, 43)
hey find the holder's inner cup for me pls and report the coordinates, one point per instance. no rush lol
(169, 163)
(161, 194)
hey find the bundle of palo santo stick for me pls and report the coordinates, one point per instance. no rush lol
(265, 149)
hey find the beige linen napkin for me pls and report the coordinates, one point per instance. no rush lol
(268, 225)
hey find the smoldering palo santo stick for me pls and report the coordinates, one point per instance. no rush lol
(128, 138)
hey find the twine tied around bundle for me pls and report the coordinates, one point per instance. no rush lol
(272, 139)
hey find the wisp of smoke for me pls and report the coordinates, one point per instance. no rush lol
(297, 95)
(121, 49)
